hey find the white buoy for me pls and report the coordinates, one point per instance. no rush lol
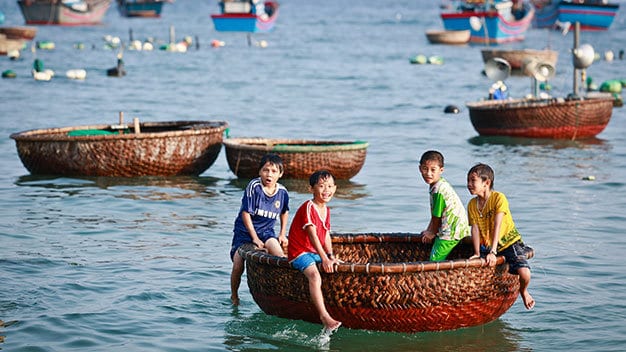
(76, 74)
(45, 75)
(147, 46)
(135, 45)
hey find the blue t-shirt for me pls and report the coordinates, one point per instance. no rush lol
(264, 211)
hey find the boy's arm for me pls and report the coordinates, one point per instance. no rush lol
(327, 263)
(475, 231)
(282, 236)
(491, 257)
(431, 231)
(247, 222)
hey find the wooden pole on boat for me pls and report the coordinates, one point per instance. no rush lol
(121, 118)
(136, 123)
(576, 44)
(172, 35)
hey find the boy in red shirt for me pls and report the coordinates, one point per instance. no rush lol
(309, 241)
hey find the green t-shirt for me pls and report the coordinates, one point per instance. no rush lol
(446, 204)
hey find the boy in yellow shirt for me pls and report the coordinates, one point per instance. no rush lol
(493, 229)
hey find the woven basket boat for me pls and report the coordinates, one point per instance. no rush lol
(158, 149)
(19, 32)
(384, 284)
(452, 37)
(300, 157)
(542, 118)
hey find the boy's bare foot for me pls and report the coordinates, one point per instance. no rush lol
(529, 302)
(234, 300)
(331, 325)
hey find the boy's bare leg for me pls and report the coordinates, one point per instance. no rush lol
(315, 288)
(524, 281)
(274, 248)
(235, 278)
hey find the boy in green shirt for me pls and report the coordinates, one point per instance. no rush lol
(448, 223)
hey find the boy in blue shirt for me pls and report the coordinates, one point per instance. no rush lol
(263, 201)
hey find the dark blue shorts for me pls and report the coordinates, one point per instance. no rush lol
(516, 255)
(240, 238)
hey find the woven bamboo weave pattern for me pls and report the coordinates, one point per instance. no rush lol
(160, 149)
(553, 118)
(386, 284)
(300, 157)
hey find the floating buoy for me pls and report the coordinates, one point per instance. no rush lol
(435, 60)
(589, 178)
(545, 86)
(217, 43)
(9, 74)
(44, 75)
(79, 46)
(38, 65)
(135, 45)
(76, 74)
(117, 71)
(45, 45)
(608, 55)
(418, 59)
(611, 86)
(13, 54)
(591, 86)
(147, 46)
(263, 44)
(451, 109)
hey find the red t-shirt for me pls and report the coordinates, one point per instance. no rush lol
(299, 241)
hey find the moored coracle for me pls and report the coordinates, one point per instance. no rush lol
(301, 157)
(452, 37)
(385, 284)
(556, 118)
(153, 149)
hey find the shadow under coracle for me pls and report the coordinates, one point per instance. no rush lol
(521, 141)
(192, 185)
(346, 189)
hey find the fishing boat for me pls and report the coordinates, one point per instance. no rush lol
(490, 21)
(300, 157)
(385, 283)
(142, 149)
(593, 15)
(250, 16)
(448, 37)
(516, 57)
(573, 117)
(19, 32)
(140, 8)
(64, 12)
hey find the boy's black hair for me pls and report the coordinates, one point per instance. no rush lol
(432, 155)
(320, 175)
(273, 159)
(484, 171)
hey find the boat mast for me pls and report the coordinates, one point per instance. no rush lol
(574, 50)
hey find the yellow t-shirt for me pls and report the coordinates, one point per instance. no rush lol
(485, 219)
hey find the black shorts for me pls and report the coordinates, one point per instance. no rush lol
(516, 256)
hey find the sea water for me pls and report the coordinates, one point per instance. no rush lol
(110, 264)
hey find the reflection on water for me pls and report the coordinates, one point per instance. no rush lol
(521, 141)
(294, 335)
(346, 189)
(148, 187)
